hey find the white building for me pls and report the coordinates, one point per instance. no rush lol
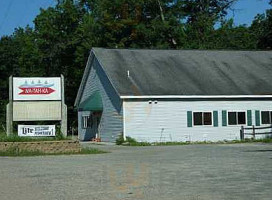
(174, 95)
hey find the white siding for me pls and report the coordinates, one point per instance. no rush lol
(167, 120)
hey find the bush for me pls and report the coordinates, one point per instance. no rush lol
(130, 142)
(120, 140)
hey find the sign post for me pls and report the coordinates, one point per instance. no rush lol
(36, 99)
(63, 109)
(9, 118)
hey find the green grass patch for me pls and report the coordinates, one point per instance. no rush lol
(15, 138)
(92, 151)
(15, 152)
(265, 140)
(132, 142)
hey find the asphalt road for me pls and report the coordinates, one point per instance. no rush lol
(194, 172)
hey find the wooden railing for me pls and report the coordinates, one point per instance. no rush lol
(254, 131)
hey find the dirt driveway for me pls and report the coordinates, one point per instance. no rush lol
(194, 172)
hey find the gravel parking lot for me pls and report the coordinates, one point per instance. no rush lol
(194, 172)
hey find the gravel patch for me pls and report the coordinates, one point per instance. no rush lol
(194, 172)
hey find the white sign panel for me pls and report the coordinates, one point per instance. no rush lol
(36, 89)
(36, 131)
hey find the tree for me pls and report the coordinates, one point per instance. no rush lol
(202, 16)
(138, 24)
(229, 36)
(262, 28)
(55, 30)
(8, 55)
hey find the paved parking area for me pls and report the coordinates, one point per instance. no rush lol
(194, 172)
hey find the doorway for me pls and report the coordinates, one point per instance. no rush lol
(96, 117)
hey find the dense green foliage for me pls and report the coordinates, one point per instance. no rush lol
(63, 36)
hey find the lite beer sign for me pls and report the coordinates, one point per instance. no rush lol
(36, 89)
(36, 131)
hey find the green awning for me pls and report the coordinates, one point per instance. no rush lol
(93, 103)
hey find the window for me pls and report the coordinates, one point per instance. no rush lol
(86, 121)
(202, 118)
(235, 118)
(241, 118)
(232, 116)
(266, 117)
(208, 118)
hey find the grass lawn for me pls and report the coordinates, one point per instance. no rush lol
(15, 138)
(132, 142)
(13, 152)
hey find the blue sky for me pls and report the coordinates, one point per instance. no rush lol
(15, 13)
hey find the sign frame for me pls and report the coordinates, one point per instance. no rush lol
(31, 109)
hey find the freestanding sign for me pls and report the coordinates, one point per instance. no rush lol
(36, 99)
(36, 131)
(36, 89)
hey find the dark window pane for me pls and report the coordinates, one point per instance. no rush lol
(83, 122)
(241, 118)
(265, 117)
(198, 118)
(270, 117)
(207, 118)
(232, 118)
(90, 121)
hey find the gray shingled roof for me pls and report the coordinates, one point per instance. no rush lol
(187, 72)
